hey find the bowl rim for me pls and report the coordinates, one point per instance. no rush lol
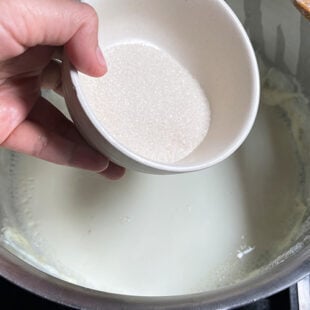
(174, 167)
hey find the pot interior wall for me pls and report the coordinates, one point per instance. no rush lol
(280, 36)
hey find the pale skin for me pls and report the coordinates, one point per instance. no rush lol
(32, 32)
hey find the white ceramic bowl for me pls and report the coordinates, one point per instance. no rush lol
(209, 41)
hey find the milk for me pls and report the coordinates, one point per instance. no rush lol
(161, 235)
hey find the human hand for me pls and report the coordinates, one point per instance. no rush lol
(31, 31)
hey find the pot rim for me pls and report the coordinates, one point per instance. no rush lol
(269, 282)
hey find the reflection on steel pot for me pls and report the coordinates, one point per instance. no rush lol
(219, 238)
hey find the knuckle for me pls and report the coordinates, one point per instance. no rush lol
(39, 146)
(89, 14)
(8, 121)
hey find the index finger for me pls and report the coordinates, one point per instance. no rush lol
(25, 24)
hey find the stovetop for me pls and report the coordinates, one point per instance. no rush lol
(289, 299)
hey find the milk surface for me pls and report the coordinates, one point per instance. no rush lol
(162, 235)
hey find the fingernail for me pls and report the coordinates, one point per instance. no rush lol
(100, 58)
(114, 172)
(86, 158)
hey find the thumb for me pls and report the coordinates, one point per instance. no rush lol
(74, 25)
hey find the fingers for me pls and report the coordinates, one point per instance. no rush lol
(33, 139)
(113, 172)
(47, 133)
(49, 117)
(53, 120)
(29, 29)
(30, 63)
(17, 97)
(25, 24)
(51, 77)
(83, 49)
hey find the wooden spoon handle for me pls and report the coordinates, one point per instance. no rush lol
(303, 6)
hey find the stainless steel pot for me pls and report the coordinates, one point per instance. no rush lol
(281, 36)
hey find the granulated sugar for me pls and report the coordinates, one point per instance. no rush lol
(149, 103)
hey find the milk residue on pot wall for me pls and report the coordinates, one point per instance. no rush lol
(284, 93)
(154, 235)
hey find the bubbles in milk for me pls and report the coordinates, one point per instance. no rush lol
(148, 102)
